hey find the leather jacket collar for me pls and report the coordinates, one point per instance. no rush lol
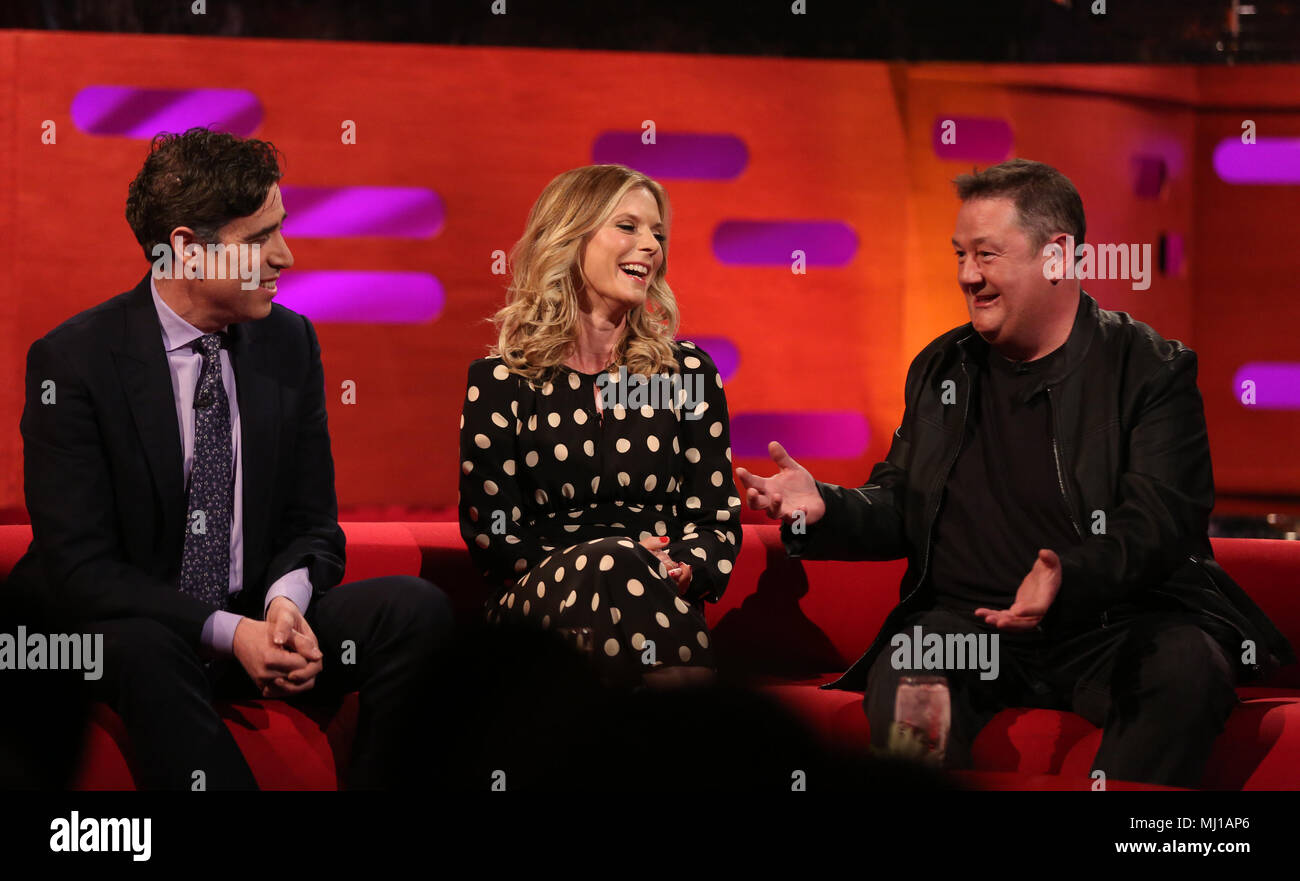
(1076, 346)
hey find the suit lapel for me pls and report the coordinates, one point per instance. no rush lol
(146, 381)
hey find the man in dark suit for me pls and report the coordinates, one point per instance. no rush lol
(181, 492)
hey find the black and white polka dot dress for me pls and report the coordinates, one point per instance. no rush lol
(555, 498)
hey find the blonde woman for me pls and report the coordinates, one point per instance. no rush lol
(595, 489)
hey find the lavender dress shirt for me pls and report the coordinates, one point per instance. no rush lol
(185, 365)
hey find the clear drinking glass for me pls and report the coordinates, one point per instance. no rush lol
(922, 717)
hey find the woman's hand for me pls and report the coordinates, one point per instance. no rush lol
(678, 572)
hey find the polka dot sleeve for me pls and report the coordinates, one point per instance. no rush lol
(710, 508)
(490, 503)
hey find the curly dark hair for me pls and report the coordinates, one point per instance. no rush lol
(201, 179)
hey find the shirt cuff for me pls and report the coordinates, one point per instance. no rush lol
(218, 635)
(295, 585)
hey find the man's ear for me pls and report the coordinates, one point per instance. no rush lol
(1057, 254)
(183, 240)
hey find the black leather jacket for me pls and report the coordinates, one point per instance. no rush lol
(1130, 440)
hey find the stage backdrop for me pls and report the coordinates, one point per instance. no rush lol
(410, 171)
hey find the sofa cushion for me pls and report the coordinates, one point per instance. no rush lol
(1258, 749)
(287, 746)
(783, 623)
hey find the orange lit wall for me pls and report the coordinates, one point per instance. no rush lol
(487, 128)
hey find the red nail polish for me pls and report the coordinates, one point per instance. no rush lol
(663, 539)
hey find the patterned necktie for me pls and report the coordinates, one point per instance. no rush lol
(205, 561)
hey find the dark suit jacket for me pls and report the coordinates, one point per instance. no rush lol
(103, 469)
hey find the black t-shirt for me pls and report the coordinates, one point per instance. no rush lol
(1003, 499)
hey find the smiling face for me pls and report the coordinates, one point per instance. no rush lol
(625, 254)
(1000, 272)
(215, 302)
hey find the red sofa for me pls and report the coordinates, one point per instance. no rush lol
(785, 625)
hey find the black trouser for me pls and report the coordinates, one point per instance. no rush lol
(397, 627)
(1159, 686)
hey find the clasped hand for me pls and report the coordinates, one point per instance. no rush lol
(678, 572)
(279, 654)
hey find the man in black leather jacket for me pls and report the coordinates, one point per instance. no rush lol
(1050, 486)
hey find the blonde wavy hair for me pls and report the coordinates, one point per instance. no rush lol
(538, 325)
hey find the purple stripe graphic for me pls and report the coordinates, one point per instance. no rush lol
(1277, 385)
(1149, 173)
(771, 242)
(363, 297)
(1267, 161)
(392, 212)
(834, 434)
(674, 155)
(142, 113)
(723, 352)
(1171, 254)
(981, 138)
